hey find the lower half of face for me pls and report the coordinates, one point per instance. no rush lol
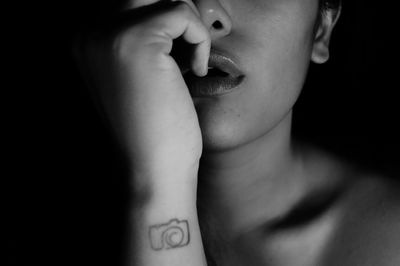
(271, 42)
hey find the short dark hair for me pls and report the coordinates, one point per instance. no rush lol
(329, 4)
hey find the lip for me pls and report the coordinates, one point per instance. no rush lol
(211, 86)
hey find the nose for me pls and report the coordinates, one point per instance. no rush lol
(215, 17)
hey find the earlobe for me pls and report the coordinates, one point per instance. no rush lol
(320, 52)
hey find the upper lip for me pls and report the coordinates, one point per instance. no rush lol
(223, 63)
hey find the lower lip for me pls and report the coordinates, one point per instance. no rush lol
(212, 86)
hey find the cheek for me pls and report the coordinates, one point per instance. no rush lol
(284, 51)
(276, 54)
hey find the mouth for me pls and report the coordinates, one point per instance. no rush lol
(223, 77)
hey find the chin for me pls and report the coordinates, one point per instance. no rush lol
(224, 131)
(219, 140)
(220, 131)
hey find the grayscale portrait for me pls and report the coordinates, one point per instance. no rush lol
(208, 133)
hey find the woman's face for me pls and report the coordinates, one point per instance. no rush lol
(271, 41)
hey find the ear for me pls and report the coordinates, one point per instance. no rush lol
(328, 19)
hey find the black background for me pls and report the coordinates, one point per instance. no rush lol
(65, 188)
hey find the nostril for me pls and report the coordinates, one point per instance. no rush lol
(217, 25)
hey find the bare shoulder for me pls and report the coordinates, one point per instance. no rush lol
(368, 231)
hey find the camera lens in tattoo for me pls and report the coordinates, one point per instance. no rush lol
(173, 236)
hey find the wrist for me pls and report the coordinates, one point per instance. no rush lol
(166, 182)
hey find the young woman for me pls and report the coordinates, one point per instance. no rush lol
(200, 95)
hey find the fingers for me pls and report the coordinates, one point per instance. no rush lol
(200, 58)
(161, 23)
(182, 20)
(140, 3)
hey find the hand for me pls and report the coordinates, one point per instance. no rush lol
(140, 87)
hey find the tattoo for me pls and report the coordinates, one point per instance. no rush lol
(174, 234)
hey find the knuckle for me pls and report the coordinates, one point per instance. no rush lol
(139, 41)
(150, 32)
(183, 8)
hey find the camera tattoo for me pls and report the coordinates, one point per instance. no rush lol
(174, 234)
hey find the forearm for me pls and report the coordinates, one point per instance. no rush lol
(165, 228)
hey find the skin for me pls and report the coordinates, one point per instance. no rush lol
(274, 60)
(251, 173)
(247, 133)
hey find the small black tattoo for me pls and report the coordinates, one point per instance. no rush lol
(173, 234)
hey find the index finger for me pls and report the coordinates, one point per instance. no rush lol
(139, 3)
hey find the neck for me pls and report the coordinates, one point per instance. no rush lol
(264, 171)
